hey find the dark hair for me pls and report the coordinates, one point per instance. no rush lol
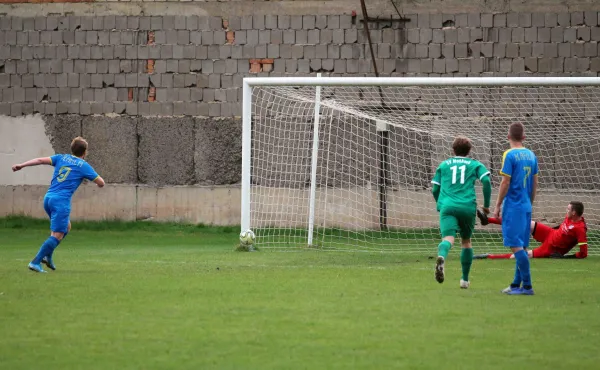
(516, 131)
(577, 207)
(462, 146)
(79, 146)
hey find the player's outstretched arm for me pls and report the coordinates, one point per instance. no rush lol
(436, 191)
(534, 188)
(32, 162)
(487, 193)
(504, 185)
(99, 181)
(583, 251)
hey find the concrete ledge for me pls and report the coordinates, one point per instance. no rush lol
(6, 200)
(28, 200)
(350, 208)
(208, 205)
(113, 202)
(292, 7)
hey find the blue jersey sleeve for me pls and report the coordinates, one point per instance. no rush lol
(535, 167)
(54, 159)
(88, 172)
(507, 164)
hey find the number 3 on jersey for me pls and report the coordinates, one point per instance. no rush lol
(462, 169)
(527, 170)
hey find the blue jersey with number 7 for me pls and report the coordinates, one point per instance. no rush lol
(69, 172)
(520, 164)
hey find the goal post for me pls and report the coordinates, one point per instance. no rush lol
(345, 163)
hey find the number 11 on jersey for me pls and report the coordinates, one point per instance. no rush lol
(462, 169)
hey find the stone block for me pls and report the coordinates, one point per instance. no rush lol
(217, 157)
(166, 151)
(112, 151)
(61, 130)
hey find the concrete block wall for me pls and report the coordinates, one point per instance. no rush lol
(194, 66)
(156, 87)
(156, 151)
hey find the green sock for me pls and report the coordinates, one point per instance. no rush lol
(466, 259)
(444, 248)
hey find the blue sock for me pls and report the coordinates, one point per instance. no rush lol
(517, 280)
(47, 248)
(52, 251)
(523, 266)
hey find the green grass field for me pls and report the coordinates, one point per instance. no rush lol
(147, 296)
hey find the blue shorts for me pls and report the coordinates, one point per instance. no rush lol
(59, 211)
(516, 228)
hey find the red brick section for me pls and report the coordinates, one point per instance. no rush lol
(150, 68)
(45, 1)
(261, 65)
(229, 34)
(230, 37)
(152, 94)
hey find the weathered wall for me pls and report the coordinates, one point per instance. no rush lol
(155, 86)
(20, 139)
(194, 66)
(158, 151)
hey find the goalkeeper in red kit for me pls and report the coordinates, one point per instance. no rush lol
(556, 242)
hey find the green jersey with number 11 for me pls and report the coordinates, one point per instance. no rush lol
(456, 177)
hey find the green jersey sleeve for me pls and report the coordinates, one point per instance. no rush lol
(481, 171)
(437, 177)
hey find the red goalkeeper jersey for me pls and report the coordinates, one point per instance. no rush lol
(570, 234)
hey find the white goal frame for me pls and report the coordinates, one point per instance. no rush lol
(250, 82)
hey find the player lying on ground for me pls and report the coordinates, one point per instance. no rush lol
(69, 172)
(454, 191)
(556, 242)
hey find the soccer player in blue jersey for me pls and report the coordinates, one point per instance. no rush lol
(515, 198)
(69, 172)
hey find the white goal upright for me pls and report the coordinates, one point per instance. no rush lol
(346, 163)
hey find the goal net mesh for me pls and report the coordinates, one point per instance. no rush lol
(378, 148)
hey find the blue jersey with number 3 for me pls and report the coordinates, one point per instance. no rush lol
(520, 164)
(69, 172)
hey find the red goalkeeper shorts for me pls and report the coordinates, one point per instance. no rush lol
(541, 234)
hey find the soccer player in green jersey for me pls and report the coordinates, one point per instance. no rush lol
(454, 192)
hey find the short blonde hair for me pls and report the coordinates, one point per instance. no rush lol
(79, 146)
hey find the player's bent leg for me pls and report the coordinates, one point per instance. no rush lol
(440, 262)
(47, 260)
(543, 251)
(522, 262)
(483, 218)
(514, 225)
(540, 232)
(493, 256)
(60, 225)
(448, 227)
(466, 260)
(466, 221)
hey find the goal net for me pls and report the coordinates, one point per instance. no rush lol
(348, 165)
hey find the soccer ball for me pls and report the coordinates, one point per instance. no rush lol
(247, 237)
